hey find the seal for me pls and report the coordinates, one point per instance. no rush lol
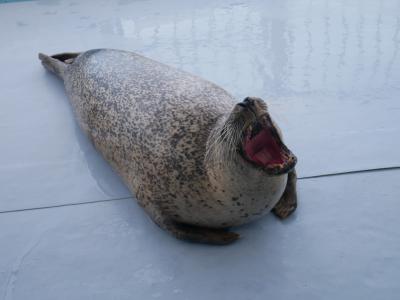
(197, 161)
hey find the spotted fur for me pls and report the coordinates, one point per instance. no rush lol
(154, 124)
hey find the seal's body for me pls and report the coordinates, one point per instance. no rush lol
(158, 127)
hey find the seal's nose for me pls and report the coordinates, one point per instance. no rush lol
(247, 102)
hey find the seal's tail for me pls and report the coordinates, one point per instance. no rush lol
(57, 63)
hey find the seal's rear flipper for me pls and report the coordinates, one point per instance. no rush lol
(214, 236)
(58, 62)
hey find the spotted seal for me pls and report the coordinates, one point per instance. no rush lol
(197, 161)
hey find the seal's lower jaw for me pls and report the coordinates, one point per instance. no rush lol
(263, 147)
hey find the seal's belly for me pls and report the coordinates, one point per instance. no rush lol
(234, 205)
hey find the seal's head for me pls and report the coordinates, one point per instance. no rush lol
(248, 133)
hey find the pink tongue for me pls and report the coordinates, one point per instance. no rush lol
(263, 149)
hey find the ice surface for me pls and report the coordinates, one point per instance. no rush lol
(342, 243)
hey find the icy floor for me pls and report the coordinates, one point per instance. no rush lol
(330, 71)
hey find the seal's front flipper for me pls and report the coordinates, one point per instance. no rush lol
(288, 202)
(204, 235)
(186, 232)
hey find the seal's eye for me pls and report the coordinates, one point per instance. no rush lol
(255, 129)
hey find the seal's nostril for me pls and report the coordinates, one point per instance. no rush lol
(248, 101)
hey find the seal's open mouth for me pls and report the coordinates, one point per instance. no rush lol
(263, 147)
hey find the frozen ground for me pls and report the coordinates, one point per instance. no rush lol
(330, 71)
